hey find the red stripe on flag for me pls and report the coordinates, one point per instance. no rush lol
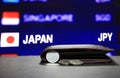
(10, 15)
(9, 55)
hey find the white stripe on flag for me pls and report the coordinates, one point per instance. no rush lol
(10, 21)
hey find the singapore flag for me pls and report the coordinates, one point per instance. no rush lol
(10, 18)
(10, 39)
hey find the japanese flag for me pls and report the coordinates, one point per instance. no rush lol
(10, 39)
(10, 18)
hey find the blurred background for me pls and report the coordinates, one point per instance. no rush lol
(29, 26)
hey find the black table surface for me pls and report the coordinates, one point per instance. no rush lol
(29, 67)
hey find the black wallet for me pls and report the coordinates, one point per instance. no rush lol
(76, 54)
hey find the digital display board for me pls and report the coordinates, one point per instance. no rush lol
(29, 26)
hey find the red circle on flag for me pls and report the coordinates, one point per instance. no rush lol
(10, 39)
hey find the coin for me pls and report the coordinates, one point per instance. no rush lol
(75, 62)
(70, 62)
(64, 62)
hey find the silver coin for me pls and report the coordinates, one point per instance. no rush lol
(64, 62)
(52, 56)
(70, 62)
(75, 62)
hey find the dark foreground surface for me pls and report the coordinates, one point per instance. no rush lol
(29, 67)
